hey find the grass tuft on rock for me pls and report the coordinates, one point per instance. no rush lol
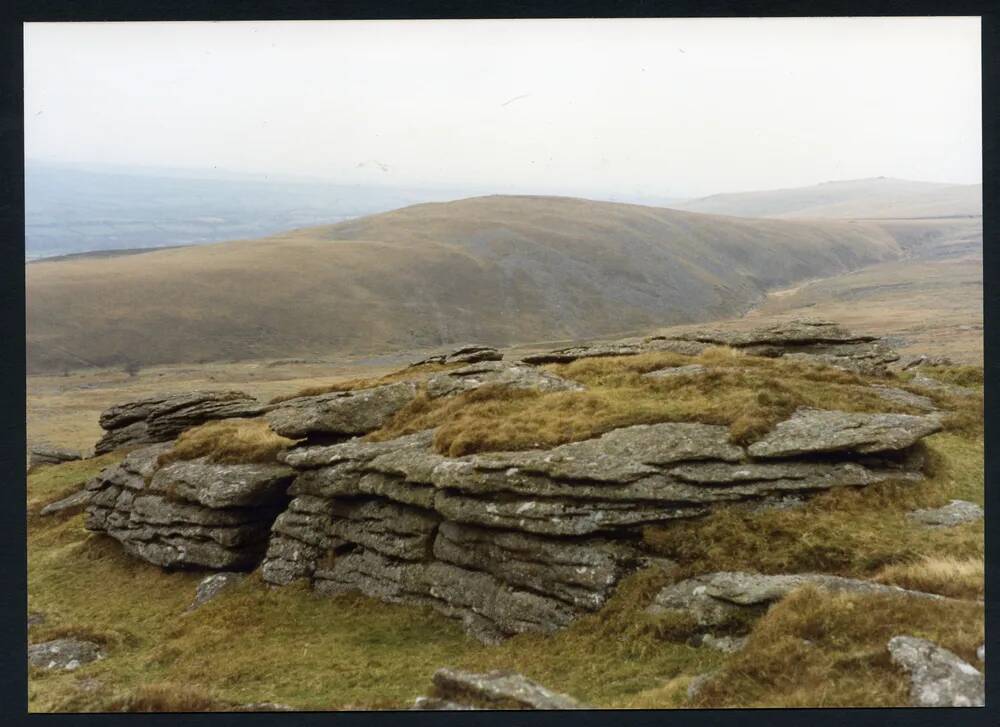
(947, 576)
(749, 394)
(228, 441)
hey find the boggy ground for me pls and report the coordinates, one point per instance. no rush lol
(286, 645)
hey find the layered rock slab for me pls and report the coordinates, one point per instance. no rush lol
(162, 418)
(188, 514)
(510, 542)
(341, 413)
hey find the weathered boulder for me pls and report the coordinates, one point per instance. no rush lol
(620, 348)
(954, 513)
(69, 505)
(162, 418)
(455, 689)
(728, 599)
(807, 339)
(494, 373)
(66, 654)
(44, 454)
(567, 355)
(211, 586)
(938, 678)
(340, 413)
(189, 514)
(466, 354)
(818, 431)
(907, 398)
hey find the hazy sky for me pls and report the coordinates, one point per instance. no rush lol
(654, 107)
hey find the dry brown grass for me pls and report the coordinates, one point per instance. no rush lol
(749, 394)
(166, 697)
(953, 577)
(816, 649)
(228, 441)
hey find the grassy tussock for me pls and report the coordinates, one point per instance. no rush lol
(850, 531)
(166, 698)
(969, 376)
(816, 649)
(749, 398)
(228, 441)
(953, 577)
(412, 373)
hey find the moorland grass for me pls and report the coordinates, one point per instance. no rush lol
(228, 441)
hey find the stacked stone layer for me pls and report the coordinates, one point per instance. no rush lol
(511, 542)
(188, 514)
(162, 418)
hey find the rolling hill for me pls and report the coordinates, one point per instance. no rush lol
(879, 197)
(499, 269)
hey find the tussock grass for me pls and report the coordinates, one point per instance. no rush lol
(746, 393)
(412, 373)
(969, 376)
(166, 698)
(953, 577)
(228, 441)
(816, 649)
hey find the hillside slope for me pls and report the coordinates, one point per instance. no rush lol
(880, 197)
(487, 269)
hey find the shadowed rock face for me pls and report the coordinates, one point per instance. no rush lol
(510, 542)
(938, 678)
(162, 418)
(188, 514)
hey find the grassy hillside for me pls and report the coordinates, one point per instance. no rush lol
(880, 197)
(488, 269)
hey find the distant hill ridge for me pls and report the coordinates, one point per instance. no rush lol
(874, 198)
(496, 270)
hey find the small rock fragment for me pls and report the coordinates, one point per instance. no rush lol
(954, 513)
(63, 654)
(70, 505)
(212, 586)
(938, 678)
(499, 688)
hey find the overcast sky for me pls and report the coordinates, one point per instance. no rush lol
(652, 107)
